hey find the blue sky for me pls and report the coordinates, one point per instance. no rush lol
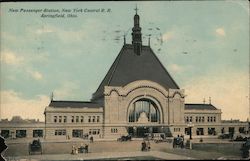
(205, 48)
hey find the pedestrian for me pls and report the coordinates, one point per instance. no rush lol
(148, 145)
(74, 150)
(91, 139)
(86, 148)
(143, 145)
(182, 145)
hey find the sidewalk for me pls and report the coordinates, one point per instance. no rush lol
(103, 155)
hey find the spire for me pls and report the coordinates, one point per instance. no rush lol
(136, 34)
(124, 39)
(149, 40)
(52, 97)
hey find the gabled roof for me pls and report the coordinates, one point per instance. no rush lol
(129, 67)
(200, 107)
(76, 104)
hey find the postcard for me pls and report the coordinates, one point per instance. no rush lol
(127, 80)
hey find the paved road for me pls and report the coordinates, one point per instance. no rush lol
(105, 149)
(156, 155)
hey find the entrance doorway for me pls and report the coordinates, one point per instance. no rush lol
(142, 132)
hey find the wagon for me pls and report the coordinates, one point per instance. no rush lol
(178, 142)
(35, 147)
(124, 138)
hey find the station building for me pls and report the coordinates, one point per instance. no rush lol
(137, 96)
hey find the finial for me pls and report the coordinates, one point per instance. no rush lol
(204, 100)
(136, 9)
(210, 100)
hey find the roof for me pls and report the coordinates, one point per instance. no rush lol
(129, 67)
(199, 107)
(73, 104)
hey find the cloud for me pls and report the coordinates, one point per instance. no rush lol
(220, 31)
(167, 36)
(9, 57)
(12, 104)
(66, 91)
(65, 36)
(229, 92)
(35, 74)
(175, 68)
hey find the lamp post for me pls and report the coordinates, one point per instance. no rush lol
(190, 125)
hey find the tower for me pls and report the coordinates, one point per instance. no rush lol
(136, 34)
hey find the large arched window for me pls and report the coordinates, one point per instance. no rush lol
(144, 110)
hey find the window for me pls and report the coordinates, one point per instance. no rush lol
(5, 133)
(77, 133)
(177, 129)
(64, 118)
(211, 131)
(191, 119)
(114, 130)
(60, 132)
(60, 118)
(214, 119)
(93, 119)
(202, 119)
(89, 118)
(199, 131)
(55, 118)
(144, 109)
(73, 119)
(211, 119)
(196, 119)
(77, 118)
(208, 119)
(199, 119)
(187, 119)
(21, 133)
(38, 133)
(82, 118)
(97, 118)
(187, 131)
(94, 131)
(241, 129)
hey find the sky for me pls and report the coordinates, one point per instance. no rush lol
(204, 45)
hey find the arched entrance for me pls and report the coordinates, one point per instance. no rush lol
(144, 111)
(144, 117)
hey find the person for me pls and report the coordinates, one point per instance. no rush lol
(86, 148)
(148, 145)
(81, 149)
(143, 145)
(182, 141)
(74, 150)
(91, 139)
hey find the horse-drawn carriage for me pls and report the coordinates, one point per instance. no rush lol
(178, 142)
(35, 147)
(125, 138)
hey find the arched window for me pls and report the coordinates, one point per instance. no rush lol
(144, 109)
